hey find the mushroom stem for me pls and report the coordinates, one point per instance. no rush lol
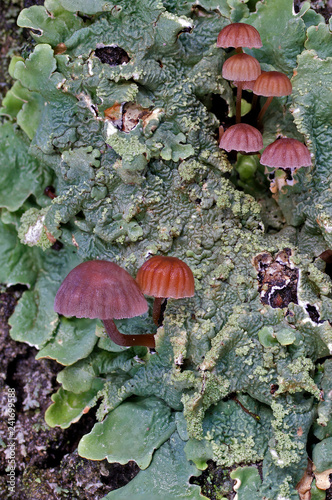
(239, 50)
(263, 110)
(127, 340)
(238, 102)
(254, 102)
(157, 309)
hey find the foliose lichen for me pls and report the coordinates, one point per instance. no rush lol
(236, 363)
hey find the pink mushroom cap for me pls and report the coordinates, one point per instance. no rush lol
(272, 83)
(241, 68)
(286, 153)
(242, 137)
(239, 35)
(100, 289)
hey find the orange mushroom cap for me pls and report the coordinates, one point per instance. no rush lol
(100, 289)
(272, 83)
(241, 68)
(286, 153)
(242, 137)
(239, 35)
(167, 277)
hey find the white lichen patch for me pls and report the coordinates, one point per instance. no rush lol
(33, 235)
(110, 129)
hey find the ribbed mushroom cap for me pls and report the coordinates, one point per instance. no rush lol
(239, 35)
(242, 137)
(272, 83)
(167, 277)
(241, 68)
(246, 85)
(286, 153)
(100, 289)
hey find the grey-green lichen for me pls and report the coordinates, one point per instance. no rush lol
(32, 230)
(285, 450)
(238, 367)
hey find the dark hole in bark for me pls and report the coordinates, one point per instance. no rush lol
(57, 245)
(36, 32)
(184, 30)
(289, 175)
(277, 280)
(313, 313)
(50, 192)
(162, 311)
(220, 108)
(114, 56)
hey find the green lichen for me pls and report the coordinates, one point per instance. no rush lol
(286, 449)
(235, 453)
(239, 370)
(32, 231)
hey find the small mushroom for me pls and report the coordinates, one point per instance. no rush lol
(241, 68)
(242, 137)
(271, 84)
(250, 86)
(286, 153)
(102, 289)
(239, 35)
(165, 277)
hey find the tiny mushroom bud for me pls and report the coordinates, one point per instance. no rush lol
(242, 137)
(241, 68)
(165, 277)
(102, 289)
(271, 84)
(239, 35)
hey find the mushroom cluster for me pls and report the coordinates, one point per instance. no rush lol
(102, 289)
(245, 73)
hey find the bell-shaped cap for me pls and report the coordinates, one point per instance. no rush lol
(239, 35)
(286, 153)
(242, 137)
(272, 83)
(100, 289)
(246, 85)
(167, 277)
(241, 68)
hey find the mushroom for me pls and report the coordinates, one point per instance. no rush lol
(239, 35)
(102, 289)
(241, 68)
(250, 86)
(286, 153)
(242, 137)
(165, 277)
(271, 84)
